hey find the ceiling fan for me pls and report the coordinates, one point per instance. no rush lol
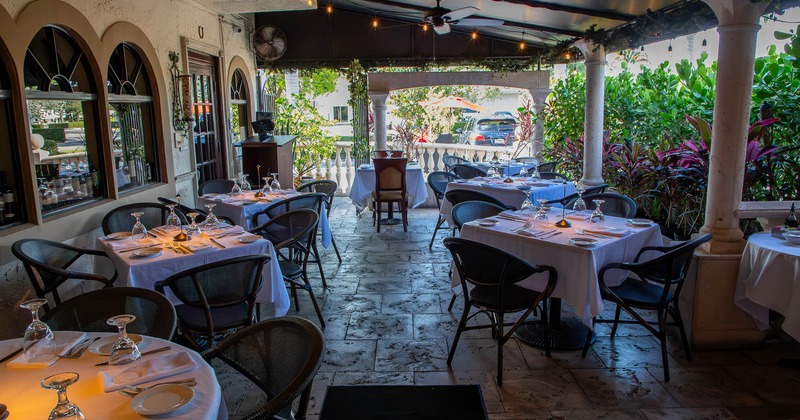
(440, 18)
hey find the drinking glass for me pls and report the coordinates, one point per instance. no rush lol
(124, 351)
(276, 185)
(597, 215)
(39, 344)
(267, 184)
(211, 219)
(491, 172)
(245, 183)
(173, 221)
(527, 205)
(579, 206)
(64, 409)
(523, 172)
(194, 228)
(236, 190)
(540, 218)
(139, 231)
(535, 167)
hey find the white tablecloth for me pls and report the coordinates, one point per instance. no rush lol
(364, 186)
(508, 194)
(769, 278)
(20, 389)
(145, 272)
(577, 267)
(242, 214)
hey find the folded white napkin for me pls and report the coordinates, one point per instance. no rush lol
(579, 217)
(225, 231)
(64, 341)
(152, 369)
(130, 244)
(199, 247)
(610, 232)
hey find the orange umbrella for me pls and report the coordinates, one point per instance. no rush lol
(453, 102)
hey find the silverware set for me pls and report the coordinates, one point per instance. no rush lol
(77, 350)
(132, 391)
(580, 231)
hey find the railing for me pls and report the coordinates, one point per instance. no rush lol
(340, 166)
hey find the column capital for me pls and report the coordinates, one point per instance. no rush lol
(737, 12)
(592, 53)
(379, 97)
(539, 96)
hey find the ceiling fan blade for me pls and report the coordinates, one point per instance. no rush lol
(478, 22)
(443, 29)
(459, 14)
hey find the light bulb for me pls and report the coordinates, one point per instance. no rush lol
(329, 8)
(522, 45)
(474, 35)
(375, 23)
(425, 27)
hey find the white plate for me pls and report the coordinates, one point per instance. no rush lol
(249, 202)
(640, 222)
(523, 187)
(585, 242)
(248, 239)
(162, 399)
(116, 236)
(103, 345)
(487, 222)
(147, 252)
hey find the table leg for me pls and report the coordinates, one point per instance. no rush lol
(565, 333)
(390, 220)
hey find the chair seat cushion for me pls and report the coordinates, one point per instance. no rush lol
(224, 318)
(515, 298)
(640, 293)
(290, 270)
(389, 196)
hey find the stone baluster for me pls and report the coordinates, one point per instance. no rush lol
(348, 162)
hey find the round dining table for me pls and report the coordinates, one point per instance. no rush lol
(22, 393)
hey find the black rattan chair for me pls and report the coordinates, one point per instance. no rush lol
(613, 204)
(292, 234)
(438, 181)
(48, 265)
(552, 175)
(657, 287)
(218, 186)
(328, 188)
(547, 166)
(120, 219)
(216, 297)
(450, 160)
(155, 315)
(281, 356)
(459, 196)
(488, 277)
(467, 171)
(474, 210)
(570, 199)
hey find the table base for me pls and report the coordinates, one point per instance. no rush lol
(392, 221)
(568, 334)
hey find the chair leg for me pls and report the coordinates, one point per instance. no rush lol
(676, 315)
(302, 407)
(588, 340)
(336, 248)
(452, 302)
(439, 224)
(377, 215)
(662, 336)
(404, 211)
(616, 320)
(546, 321)
(310, 291)
(315, 249)
(500, 342)
(461, 324)
(294, 294)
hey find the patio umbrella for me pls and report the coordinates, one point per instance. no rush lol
(453, 102)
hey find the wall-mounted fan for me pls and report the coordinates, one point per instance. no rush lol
(269, 42)
(441, 18)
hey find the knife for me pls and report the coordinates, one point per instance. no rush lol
(138, 247)
(158, 350)
(550, 235)
(13, 353)
(216, 243)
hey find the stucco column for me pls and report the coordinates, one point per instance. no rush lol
(738, 30)
(595, 60)
(537, 139)
(379, 108)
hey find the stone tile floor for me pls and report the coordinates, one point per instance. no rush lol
(387, 323)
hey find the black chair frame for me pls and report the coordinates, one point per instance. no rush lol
(438, 181)
(328, 188)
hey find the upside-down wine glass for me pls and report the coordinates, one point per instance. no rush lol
(173, 221)
(236, 190)
(267, 184)
(64, 408)
(194, 228)
(124, 351)
(579, 206)
(39, 344)
(139, 231)
(245, 183)
(540, 218)
(535, 167)
(211, 219)
(597, 215)
(523, 172)
(527, 205)
(276, 185)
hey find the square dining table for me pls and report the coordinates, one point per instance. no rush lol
(577, 266)
(241, 208)
(145, 271)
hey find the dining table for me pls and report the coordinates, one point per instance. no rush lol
(364, 186)
(241, 208)
(22, 393)
(509, 193)
(144, 262)
(577, 253)
(769, 279)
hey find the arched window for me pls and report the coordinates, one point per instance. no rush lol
(62, 108)
(12, 211)
(240, 115)
(131, 114)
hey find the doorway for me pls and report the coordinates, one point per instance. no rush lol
(209, 136)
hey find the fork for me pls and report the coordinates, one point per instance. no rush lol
(523, 227)
(138, 389)
(70, 354)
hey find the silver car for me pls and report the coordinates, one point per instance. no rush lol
(488, 131)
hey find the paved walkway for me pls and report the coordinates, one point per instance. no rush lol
(387, 323)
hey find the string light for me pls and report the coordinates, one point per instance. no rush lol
(425, 27)
(310, 3)
(474, 35)
(375, 23)
(669, 49)
(522, 45)
(567, 55)
(329, 8)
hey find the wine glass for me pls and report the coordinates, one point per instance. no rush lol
(540, 218)
(194, 228)
(211, 219)
(535, 167)
(236, 190)
(276, 185)
(173, 221)
(64, 409)
(523, 172)
(139, 231)
(597, 215)
(579, 206)
(491, 172)
(267, 185)
(245, 183)
(527, 205)
(39, 344)
(124, 351)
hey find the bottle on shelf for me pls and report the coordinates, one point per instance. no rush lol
(8, 199)
(791, 219)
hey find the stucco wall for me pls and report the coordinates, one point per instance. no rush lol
(164, 23)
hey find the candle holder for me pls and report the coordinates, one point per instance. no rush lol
(508, 179)
(563, 223)
(180, 237)
(259, 193)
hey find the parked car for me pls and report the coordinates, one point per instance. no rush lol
(488, 131)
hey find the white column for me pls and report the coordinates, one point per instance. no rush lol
(537, 140)
(379, 108)
(738, 30)
(595, 60)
